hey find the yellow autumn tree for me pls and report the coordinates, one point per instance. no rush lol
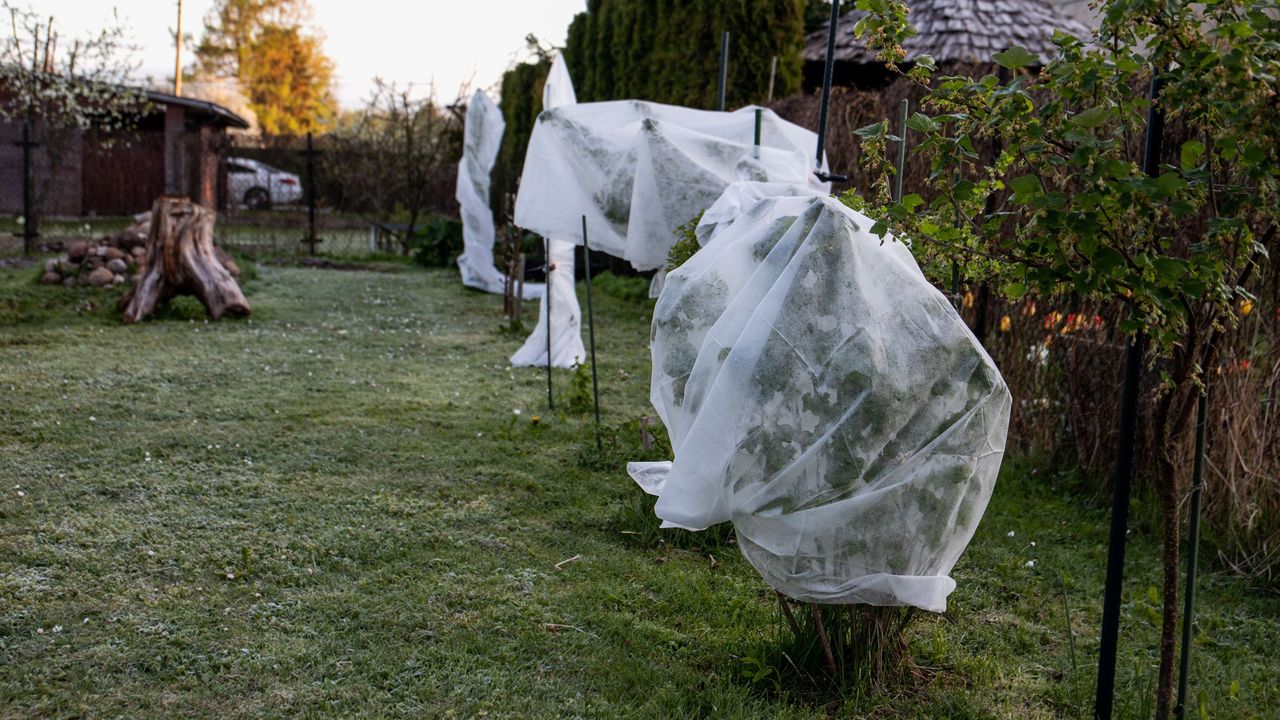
(287, 78)
(282, 68)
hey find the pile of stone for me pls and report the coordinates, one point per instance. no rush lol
(107, 261)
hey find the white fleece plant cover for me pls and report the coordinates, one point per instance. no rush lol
(482, 135)
(566, 316)
(740, 197)
(566, 325)
(639, 170)
(825, 398)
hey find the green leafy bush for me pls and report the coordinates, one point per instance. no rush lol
(438, 243)
(630, 289)
(686, 243)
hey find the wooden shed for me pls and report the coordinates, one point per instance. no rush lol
(175, 147)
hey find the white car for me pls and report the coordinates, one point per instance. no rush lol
(258, 186)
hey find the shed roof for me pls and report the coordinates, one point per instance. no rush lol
(202, 108)
(958, 31)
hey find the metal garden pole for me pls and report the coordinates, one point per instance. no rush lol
(1119, 525)
(309, 155)
(30, 229)
(756, 141)
(1193, 547)
(724, 70)
(902, 150)
(826, 99)
(827, 70)
(591, 324)
(1105, 697)
(546, 300)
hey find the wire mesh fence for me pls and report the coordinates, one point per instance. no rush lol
(282, 193)
(275, 196)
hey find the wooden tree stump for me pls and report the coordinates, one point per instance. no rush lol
(181, 259)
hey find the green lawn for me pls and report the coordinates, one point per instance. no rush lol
(332, 510)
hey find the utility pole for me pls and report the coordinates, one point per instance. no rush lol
(177, 54)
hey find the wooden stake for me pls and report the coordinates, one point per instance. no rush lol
(822, 637)
(786, 612)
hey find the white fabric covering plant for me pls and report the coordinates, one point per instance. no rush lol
(827, 400)
(740, 197)
(482, 135)
(639, 170)
(566, 315)
(566, 326)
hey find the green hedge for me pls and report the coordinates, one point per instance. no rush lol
(669, 51)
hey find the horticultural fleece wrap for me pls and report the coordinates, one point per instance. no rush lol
(639, 170)
(828, 401)
(482, 134)
(566, 316)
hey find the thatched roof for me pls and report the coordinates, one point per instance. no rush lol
(968, 31)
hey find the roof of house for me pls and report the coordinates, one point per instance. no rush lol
(958, 30)
(211, 111)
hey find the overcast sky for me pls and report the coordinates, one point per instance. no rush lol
(408, 41)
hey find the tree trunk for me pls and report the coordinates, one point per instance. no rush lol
(181, 259)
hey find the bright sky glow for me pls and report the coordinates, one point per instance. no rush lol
(450, 42)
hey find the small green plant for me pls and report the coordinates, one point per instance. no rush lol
(579, 400)
(758, 669)
(620, 444)
(686, 243)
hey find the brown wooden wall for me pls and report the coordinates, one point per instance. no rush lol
(122, 178)
(63, 191)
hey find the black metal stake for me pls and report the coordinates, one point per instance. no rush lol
(724, 70)
(1105, 697)
(546, 300)
(310, 154)
(902, 150)
(1193, 547)
(756, 141)
(591, 325)
(1119, 527)
(30, 225)
(827, 71)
